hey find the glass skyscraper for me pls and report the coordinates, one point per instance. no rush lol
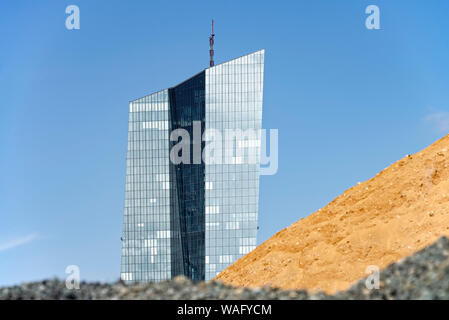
(194, 218)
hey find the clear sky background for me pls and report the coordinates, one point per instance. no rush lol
(347, 102)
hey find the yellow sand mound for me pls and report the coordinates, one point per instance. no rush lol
(398, 212)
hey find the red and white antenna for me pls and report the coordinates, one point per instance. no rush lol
(211, 45)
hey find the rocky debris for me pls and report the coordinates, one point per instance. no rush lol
(424, 275)
(180, 288)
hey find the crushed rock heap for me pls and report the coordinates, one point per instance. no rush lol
(420, 276)
(401, 210)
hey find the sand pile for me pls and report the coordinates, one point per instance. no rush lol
(400, 211)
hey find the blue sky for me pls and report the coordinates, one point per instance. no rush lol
(347, 102)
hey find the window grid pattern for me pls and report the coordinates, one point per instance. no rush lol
(146, 223)
(234, 94)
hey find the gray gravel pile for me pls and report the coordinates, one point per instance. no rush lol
(425, 275)
(178, 288)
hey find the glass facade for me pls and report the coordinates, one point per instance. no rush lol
(146, 239)
(233, 101)
(193, 219)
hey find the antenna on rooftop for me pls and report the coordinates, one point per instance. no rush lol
(211, 45)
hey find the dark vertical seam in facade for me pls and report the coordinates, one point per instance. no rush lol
(193, 262)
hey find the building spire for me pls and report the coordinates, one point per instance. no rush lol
(211, 45)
